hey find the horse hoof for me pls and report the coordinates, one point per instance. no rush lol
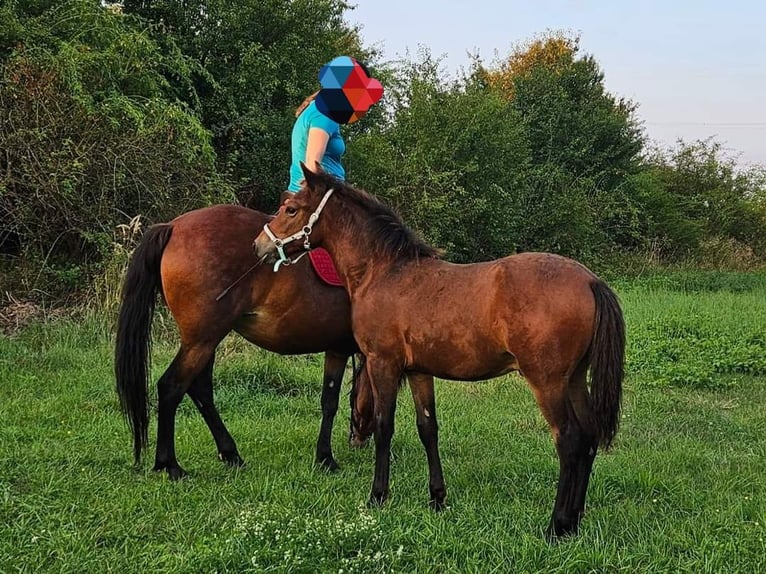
(377, 500)
(174, 473)
(328, 463)
(438, 505)
(559, 530)
(231, 459)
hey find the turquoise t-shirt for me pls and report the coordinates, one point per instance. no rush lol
(313, 118)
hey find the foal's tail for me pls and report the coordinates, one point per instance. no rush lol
(607, 360)
(134, 328)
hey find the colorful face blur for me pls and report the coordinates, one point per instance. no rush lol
(347, 91)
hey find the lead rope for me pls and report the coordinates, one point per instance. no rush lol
(241, 277)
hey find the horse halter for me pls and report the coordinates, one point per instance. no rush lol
(303, 233)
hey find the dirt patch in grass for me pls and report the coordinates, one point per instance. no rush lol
(16, 314)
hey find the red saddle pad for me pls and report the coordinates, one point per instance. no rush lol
(324, 267)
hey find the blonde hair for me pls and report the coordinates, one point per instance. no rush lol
(305, 104)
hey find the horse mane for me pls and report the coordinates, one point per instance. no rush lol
(391, 236)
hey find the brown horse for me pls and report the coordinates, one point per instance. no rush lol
(192, 261)
(414, 315)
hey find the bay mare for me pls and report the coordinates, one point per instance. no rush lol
(415, 315)
(192, 261)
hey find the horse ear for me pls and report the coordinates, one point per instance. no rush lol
(312, 177)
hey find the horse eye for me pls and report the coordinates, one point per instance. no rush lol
(291, 211)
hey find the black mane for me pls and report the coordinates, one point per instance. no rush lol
(391, 236)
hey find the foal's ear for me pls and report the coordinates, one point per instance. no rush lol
(313, 178)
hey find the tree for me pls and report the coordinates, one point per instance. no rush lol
(91, 136)
(702, 195)
(449, 158)
(585, 144)
(261, 59)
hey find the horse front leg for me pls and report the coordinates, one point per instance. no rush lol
(334, 366)
(384, 379)
(422, 387)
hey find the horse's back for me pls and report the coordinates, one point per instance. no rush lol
(544, 287)
(546, 266)
(221, 215)
(525, 280)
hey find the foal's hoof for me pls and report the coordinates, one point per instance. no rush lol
(437, 505)
(231, 459)
(559, 530)
(174, 472)
(328, 464)
(377, 500)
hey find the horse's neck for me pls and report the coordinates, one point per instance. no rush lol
(353, 254)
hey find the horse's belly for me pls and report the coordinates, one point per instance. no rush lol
(464, 366)
(479, 374)
(277, 336)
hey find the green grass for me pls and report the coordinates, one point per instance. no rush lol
(683, 490)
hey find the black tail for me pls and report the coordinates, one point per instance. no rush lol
(134, 328)
(607, 363)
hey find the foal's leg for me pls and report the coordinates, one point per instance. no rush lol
(201, 393)
(422, 387)
(171, 388)
(579, 399)
(384, 379)
(334, 366)
(575, 451)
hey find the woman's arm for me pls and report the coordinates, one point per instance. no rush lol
(316, 147)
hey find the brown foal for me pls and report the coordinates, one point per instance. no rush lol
(414, 315)
(192, 261)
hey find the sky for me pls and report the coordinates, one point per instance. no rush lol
(696, 69)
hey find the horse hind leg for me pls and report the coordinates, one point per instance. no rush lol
(201, 393)
(563, 403)
(579, 399)
(334, 366)
(171, 388)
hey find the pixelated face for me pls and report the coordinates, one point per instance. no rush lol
(347, 91)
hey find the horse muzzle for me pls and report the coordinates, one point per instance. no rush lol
(264, 248)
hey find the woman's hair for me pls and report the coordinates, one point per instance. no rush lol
(305, 104)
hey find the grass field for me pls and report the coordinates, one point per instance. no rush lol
(683, 490)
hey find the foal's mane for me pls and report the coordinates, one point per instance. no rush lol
(391, 236)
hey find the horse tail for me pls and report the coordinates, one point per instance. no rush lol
(132, 357)
(607, 363)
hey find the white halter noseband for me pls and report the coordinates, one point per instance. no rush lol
(303, 233)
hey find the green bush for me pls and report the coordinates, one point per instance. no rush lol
(90, 139)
